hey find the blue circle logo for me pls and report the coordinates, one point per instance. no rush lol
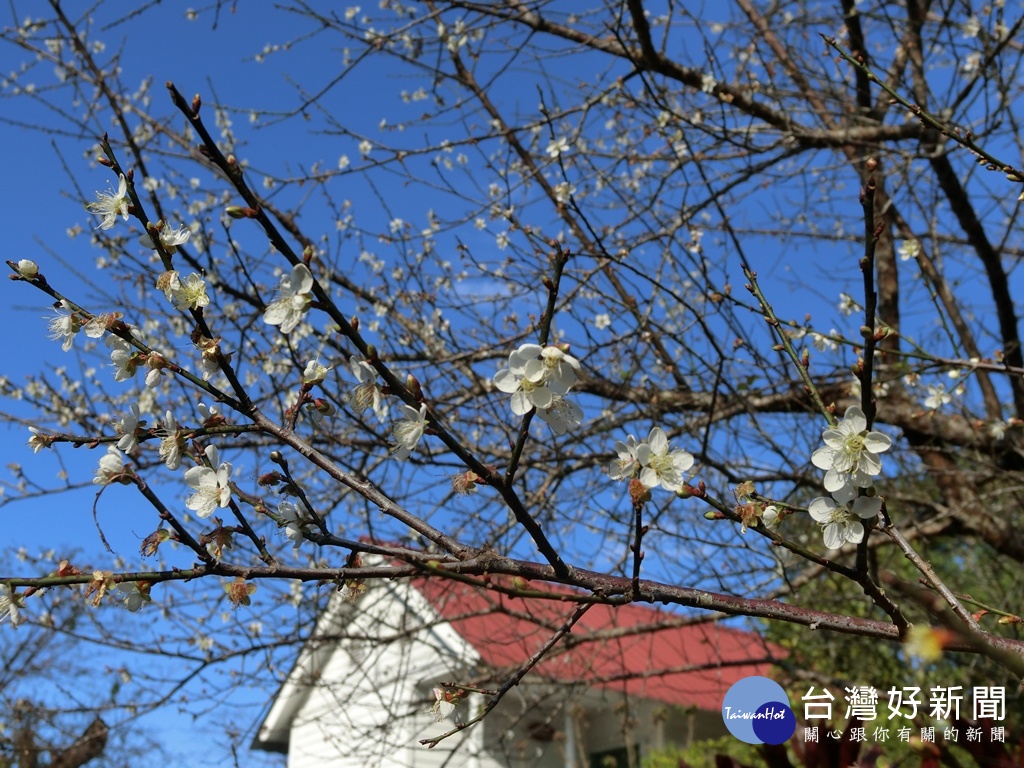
(756, 711)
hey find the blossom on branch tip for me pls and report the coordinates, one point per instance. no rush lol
(110, 205)
(408, 430)
(294, 298)
(660, 465)
(212, 486)
(38, 441)
(315, 372)
(28, 269)
(850, 453)
(111, 466)
(840, 519)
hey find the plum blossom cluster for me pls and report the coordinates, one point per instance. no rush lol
(652, 461)
(850, 458)
(540, 378)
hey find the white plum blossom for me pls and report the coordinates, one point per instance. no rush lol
(560, 369)
(536, 377)
(368, 392)
(443, 706)
(171, 441)
(126, 428)
(408, 430)
(937, 397)
(189, 293)
(850, 453)
(111, 465)
(170, 239)
(770, 517)
(315, 372)
(561, 415)
(295, 296)
(909, 250)
(212, 486)
(626, 464)
(132, 598)
(38, 441)
(122, 355)
(840, 520)
(64, 325)
(9, 606)
(110, 205)
(661, 465)
(557, 146)
(297, 520)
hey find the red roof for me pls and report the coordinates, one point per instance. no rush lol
(633, 649)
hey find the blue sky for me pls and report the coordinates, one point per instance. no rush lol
(199, 59)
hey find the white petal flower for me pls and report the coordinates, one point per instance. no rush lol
(110, 205)
(38, 441)
(133, 598)
(937, 397)
(561, 415)
(190, 293)
(368, 392)
(111, 465)
(627, 463)
(297, 520)
(770, 517)
(122, 355)
(442, 706)
(293, 300)
(9, 606)
(909, 250)
(536, 376)
(839, 519)
(169, 238)
(126, 428)
(408, 430)
(315, 372)
(851, 452)
(171, 441)
(662, 466)
(561, 369)
(212, 486)
(557, 147)
(64, 325)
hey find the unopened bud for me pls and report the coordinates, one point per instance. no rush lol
(240, 212)
(28, 269)
(871, 164)
(102, 160)
(413, 385)
(276, 457)
(196, 104)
